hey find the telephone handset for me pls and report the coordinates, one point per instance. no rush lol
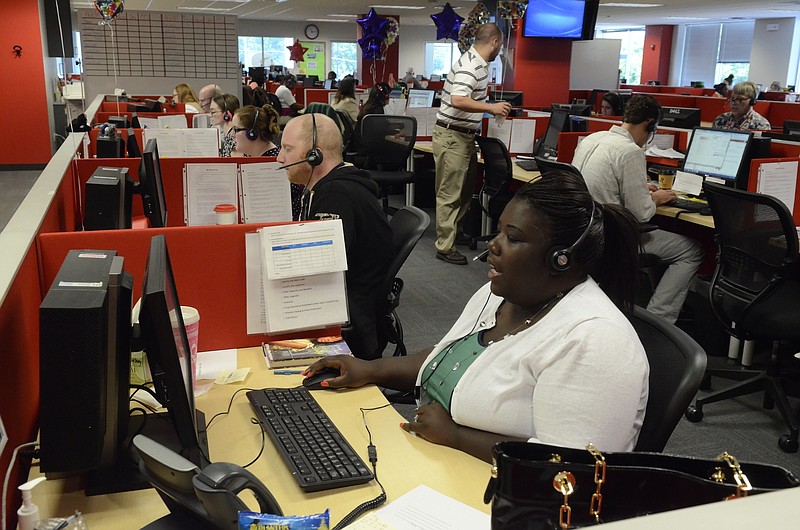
(206, 498)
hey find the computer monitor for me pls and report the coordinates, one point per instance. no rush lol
(310, 80)
(575, 109)
(151, 186)
(328, 84)
(419, 98)
(791, 127)
(680, 117)
(514, 98)
(396, 93)
(257, 74)
(153, 105)
(164, 338)
(132, 145)
(720, 154)
(120, 122)
(547, 146)
(135, 121)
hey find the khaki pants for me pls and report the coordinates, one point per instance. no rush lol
(456, 163)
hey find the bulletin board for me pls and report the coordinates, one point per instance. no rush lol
(155, 44)
(313, 60)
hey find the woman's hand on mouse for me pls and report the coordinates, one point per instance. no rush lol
(353, 372)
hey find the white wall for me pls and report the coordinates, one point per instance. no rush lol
(770, 56)
(412, 47)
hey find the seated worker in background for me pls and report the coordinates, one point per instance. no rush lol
(289, 104)
(208, 93)
(721, 90)
(612, 104)
(332, 78)
(255, 131)
(728, 80)
(377, 100)
(775, 86)
(183, 93)
(345, 98)
(410, 79)
(222, 109)
(543, 352)
(335, 190)
(742, 116)
(615, 168)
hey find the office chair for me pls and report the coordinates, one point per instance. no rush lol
(347, 126)
(498, 173)
(275, 101)
(677, 365)
(546, 166)
(323, 108)
(388, 141)
(751, 293)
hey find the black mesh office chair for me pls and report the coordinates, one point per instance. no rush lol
(498, 172)
(323, 108)
(546, 165)
(388, 141)
(751, 293)
(347, 125)
(677, 364)
(275, 101)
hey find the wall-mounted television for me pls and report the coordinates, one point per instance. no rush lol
(564, 19)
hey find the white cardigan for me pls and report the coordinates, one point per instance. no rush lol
(579, 375)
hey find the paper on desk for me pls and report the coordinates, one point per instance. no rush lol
(172, 121)
(424, 508)
(779, 179)
(200, 142)
(500, 131)
(688, 183)
(148, 123)
(522, 133)
(168, 140)
(266, 195)
(205, 186)
(664, 153)
(663, 141)
(303, 249)
(211, 363)
(227, 377)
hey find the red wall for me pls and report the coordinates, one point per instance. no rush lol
(657, 53)
(24, 120)
(541, 69)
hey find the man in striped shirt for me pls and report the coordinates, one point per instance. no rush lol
(458, 119)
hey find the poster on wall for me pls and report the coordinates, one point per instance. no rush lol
(313, 60)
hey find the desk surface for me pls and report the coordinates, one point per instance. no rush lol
(519, 173)
(694, 218)
(404, 461)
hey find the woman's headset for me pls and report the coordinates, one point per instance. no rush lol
(226, 114)
(559, 260)
(252, 132)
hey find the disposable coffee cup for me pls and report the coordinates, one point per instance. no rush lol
(499, 120)
(226, 214)
(191, 321)
(666, 180)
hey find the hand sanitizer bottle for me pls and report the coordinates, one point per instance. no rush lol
(28, 513)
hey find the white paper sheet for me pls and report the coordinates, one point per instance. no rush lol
(211, 363)
(266, 195)
(522, 133)
(200, 142)
(501, 131)
(256, 310)
(305, 302)
(663, 141)
(687, 183)
(148, 123)
(172, 121)
(168, 140)
(779, 179)
(664, 153)
(205, 186)
(303, 249)
(424, 508)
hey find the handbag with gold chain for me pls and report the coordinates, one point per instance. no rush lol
(539, 486)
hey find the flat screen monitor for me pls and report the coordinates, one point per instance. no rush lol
(575, 109)
(418, 97)
(132, 145)
(310, 80)
(151, 186)
(396, 93)
(120, 122)
(548, 145)
(153, 105)
(565, 19)
(257, 74)
(135, 121)
(512, 97)
(680, 117)
(718, 153)
(164, 338)
(328, 84)
(791, 127)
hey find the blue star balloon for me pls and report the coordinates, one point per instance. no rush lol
(374, 28)
(448, 23)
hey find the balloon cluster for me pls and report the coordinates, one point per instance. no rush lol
(476, 18)
(108, 9)
(447, 23)
(511, 9)
(297, 51)
(375, 29)
(392, 32)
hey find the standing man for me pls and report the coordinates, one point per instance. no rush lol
(458, 119)
(335, 190)
(614, 167)
(207, 95)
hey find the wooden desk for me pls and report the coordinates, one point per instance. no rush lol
(694, 218)
(519, 174)
(404, 461)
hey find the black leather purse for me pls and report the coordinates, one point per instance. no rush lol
(538, 486)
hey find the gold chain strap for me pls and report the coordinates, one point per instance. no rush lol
(742, 483)
(564, 483)
(599, 479)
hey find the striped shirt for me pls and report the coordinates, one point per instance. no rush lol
(469, 77)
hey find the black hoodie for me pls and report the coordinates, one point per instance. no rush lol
(348, 193)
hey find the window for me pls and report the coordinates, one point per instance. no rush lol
(630, 54)
(265, 51)
(440, 56)
(729, 44)
(344, 58)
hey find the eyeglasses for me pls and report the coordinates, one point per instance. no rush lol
(739, 99)
(240, 129)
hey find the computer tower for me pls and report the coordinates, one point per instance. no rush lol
(110, 147)
(84, 337)
(108, 199)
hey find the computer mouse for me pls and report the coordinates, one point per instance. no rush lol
(313, 382)
(705, 211)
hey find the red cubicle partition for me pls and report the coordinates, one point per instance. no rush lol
(102, 117)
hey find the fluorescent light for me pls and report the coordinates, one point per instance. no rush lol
(184, 8)
(687, 18)
(342, 16)
(398, 7)
(326, 20)
(624, 4)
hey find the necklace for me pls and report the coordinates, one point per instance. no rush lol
(528, 321)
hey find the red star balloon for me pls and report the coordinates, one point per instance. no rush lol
(296, 51)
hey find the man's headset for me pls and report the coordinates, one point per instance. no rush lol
(314, 156)
(559, 260)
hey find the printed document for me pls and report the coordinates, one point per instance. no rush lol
(779, 179)
(303, 249)
(205, 186)
(177, 143)
(172, 121)
(266, 195)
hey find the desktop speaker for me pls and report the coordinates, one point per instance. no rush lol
(84, 357)
(108, 199)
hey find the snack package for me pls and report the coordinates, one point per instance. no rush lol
(265, 521)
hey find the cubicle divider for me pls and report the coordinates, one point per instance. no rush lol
(755, 169)
(171, 176)
(113, 106)
(103, 116)
(209, 267)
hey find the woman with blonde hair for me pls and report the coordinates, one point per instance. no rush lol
(183, 93)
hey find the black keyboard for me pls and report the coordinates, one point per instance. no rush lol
(528, 165)
(687, 204)
(312, 447)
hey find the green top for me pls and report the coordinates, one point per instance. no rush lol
(442, 374)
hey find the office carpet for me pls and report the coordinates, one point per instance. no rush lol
(434, 293)
(15, 186)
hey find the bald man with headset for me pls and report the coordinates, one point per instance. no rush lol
(614, 166)
(311, 153)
